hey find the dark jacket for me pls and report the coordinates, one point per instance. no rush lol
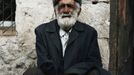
(81, 54)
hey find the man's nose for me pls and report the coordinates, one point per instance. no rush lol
(66, 9)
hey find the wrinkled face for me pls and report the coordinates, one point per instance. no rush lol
(67, 12)
(66, 6)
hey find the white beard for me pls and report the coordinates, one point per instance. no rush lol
(67, 22)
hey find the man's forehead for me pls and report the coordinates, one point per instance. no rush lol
(66, 1)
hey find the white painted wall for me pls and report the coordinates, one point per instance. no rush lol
(17, 53)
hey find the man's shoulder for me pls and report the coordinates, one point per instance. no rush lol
(44, 26)
(86, 27)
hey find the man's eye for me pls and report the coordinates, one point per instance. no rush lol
(61, 6)
(68, 5)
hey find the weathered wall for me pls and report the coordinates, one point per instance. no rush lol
(17, 53)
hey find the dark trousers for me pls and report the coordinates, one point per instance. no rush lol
(36, 71)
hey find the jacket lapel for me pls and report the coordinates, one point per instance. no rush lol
(56, 41)
(53, 30)
(75, 32)
(72, 37)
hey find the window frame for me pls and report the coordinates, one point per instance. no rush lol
(7, 23)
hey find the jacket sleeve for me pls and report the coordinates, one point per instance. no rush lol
(44, 63)
(93, 59)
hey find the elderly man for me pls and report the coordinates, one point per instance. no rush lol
(66, 46)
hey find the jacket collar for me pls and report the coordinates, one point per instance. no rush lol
(53, 29)
(53, 26)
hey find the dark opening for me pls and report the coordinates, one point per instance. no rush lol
(7, 10)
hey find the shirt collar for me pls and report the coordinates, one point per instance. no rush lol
(62, 32)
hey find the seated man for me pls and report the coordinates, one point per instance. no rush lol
(66, 46)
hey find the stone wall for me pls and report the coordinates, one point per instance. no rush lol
(17, 53)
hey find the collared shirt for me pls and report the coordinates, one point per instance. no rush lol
(64, 36)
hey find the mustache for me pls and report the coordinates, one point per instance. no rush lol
(64, 15)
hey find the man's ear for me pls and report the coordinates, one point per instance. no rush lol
(79, 12)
